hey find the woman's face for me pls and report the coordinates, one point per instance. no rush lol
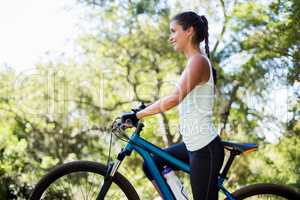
(178, 38)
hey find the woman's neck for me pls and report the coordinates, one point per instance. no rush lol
(190, 51)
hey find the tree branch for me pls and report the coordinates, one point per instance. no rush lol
(224, 27)
(226, 110)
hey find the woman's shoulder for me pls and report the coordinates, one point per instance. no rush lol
(198, 62)
(199, 59)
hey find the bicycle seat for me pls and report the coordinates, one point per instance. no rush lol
(240, 147)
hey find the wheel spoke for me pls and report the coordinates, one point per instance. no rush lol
(68, 188)
(81, 180)
(81, 192)
(96, 190)
(89, 188)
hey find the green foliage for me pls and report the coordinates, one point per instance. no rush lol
(62, 110)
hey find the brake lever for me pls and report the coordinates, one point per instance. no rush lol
(118, 125)
(141, 107)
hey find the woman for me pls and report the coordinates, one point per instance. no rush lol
(201, 145)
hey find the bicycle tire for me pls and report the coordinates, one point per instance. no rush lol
(266, 189)
(82, 166)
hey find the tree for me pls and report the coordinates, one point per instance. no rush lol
(60, 111)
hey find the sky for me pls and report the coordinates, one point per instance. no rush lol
(28, 29)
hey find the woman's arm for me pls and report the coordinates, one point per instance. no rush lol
(197, 71)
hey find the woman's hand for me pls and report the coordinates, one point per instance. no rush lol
(129, 119)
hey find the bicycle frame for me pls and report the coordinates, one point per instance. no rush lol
(145, 149)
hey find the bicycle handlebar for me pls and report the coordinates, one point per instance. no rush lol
(141, 107)
(118, 125)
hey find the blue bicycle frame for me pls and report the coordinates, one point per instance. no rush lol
(145, 149)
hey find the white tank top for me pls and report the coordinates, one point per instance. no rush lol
(195, 115)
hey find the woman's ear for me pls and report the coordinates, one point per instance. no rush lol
(190, 31)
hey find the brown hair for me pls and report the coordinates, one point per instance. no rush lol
(200, 25)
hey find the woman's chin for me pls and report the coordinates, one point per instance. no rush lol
(176, 48)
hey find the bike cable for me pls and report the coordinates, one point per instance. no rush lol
(113, 129)
(108, 159)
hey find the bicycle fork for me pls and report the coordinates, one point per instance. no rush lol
(111, 171)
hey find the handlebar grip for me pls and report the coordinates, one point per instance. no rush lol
(141, 107)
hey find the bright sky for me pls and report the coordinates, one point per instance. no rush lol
(28, 29)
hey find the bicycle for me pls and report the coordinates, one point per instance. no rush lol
(113, 181)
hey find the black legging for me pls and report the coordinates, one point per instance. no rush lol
(205, 165)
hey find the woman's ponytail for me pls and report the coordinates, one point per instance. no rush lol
(205, 32)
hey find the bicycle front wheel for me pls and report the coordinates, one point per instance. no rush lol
(81, 180)
(265, 191)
